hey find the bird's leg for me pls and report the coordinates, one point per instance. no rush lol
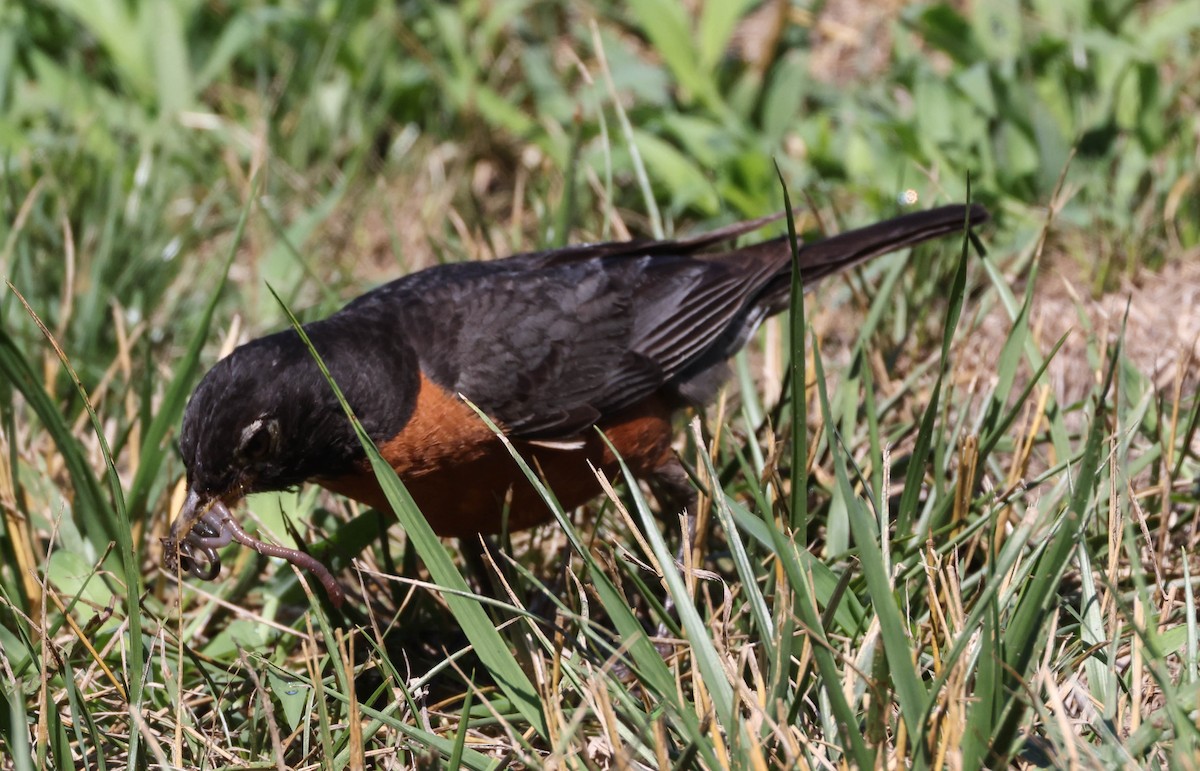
(675, 493)
(477, 552)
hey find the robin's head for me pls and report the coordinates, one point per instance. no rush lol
(262, 419)
(245, 430)
(265, 418)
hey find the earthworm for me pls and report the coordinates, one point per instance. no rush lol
(215, 528)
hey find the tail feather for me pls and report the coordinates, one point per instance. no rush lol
(845, 250)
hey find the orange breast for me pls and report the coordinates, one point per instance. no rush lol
(459, 473)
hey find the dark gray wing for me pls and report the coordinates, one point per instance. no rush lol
(547, 351)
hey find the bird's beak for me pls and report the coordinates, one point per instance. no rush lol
(197, 532)
(193, 507)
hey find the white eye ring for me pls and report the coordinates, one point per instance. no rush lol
(252, 430)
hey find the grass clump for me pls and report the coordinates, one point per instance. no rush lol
(977, 551)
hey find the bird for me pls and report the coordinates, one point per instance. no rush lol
(556, 347)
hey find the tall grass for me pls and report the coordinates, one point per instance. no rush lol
(946, 567)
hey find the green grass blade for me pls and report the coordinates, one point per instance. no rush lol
(129, 558)
(460, 738)
(914, 479)
(639, 168)
(707, 660)
(92, 510)
(985, 710)
(1022, 639)
(897, 640)
(737, 547)
(647, 661)
(843, 715)
(718, 22)
(163, 35)
(799, 378)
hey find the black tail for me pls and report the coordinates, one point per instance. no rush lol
(846, 250)
(767, 270)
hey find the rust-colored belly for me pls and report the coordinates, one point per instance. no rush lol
(460, 474)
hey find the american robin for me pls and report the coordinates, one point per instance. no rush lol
(550, 345)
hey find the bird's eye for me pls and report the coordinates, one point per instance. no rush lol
(258, 439)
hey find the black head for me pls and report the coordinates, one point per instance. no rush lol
(246, 428)
(264, 418)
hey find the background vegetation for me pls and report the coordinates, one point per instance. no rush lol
(961, 564)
